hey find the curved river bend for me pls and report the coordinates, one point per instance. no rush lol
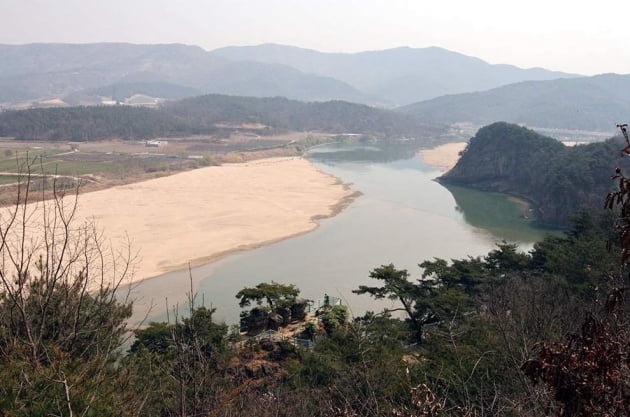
(403, 217)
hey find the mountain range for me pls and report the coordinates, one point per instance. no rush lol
(586, 103)
(434, 84)
(84, 73)
(40, 71)
(401, 75)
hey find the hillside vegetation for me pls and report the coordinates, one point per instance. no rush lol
(558, 180)
(588, 103)
(201, 115)
(89, 123)
(278, 112)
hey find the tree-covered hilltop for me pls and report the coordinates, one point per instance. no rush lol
(89, 123)
(201, 115)
(558, 180)
(281, 113)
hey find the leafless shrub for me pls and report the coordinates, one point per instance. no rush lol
(589, 374)
(61, 323)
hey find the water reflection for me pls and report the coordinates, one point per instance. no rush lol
(505, 217)
(403, 217)
(365, 153)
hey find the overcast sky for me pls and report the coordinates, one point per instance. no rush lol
(582, 37)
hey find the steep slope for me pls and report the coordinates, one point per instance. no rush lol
(400, 75)
(56, 70)
(589, 103)
(558, 180)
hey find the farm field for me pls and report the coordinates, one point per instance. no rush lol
(107, 163)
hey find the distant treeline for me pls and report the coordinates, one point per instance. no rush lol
(557, 179)
(200, 115)
(89, 123)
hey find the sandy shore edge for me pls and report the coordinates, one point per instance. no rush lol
(335, 209)
(443, 156)
(195, 217)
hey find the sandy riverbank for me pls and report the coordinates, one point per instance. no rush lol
(444, 156)
(195, 216)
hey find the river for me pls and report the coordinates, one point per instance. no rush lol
(403, 217)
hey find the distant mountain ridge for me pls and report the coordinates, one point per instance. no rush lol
(383, 78)
(56, 70)
(123, 90)
(588, 103)
(400, 75)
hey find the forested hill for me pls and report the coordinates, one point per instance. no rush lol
(202, 115)
(89, 123)
(587, 103)
(558, 180)
(279, 112)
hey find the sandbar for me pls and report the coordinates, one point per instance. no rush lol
(444, 156)
(195, 216)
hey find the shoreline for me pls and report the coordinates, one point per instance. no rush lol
(444, 156)
(196, 217)
(194, 263)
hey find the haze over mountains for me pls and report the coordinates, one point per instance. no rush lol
(56, 70)
(589, 103)
(401, 75)
(386, 78)
(434, 85)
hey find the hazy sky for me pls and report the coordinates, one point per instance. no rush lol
(584, 37)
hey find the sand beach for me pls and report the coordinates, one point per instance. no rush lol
(444, 156)
(196, 216)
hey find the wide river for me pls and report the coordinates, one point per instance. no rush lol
(403, 217)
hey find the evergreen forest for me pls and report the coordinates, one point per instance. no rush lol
(201, 115)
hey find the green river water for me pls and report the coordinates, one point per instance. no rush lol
(403, 217)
